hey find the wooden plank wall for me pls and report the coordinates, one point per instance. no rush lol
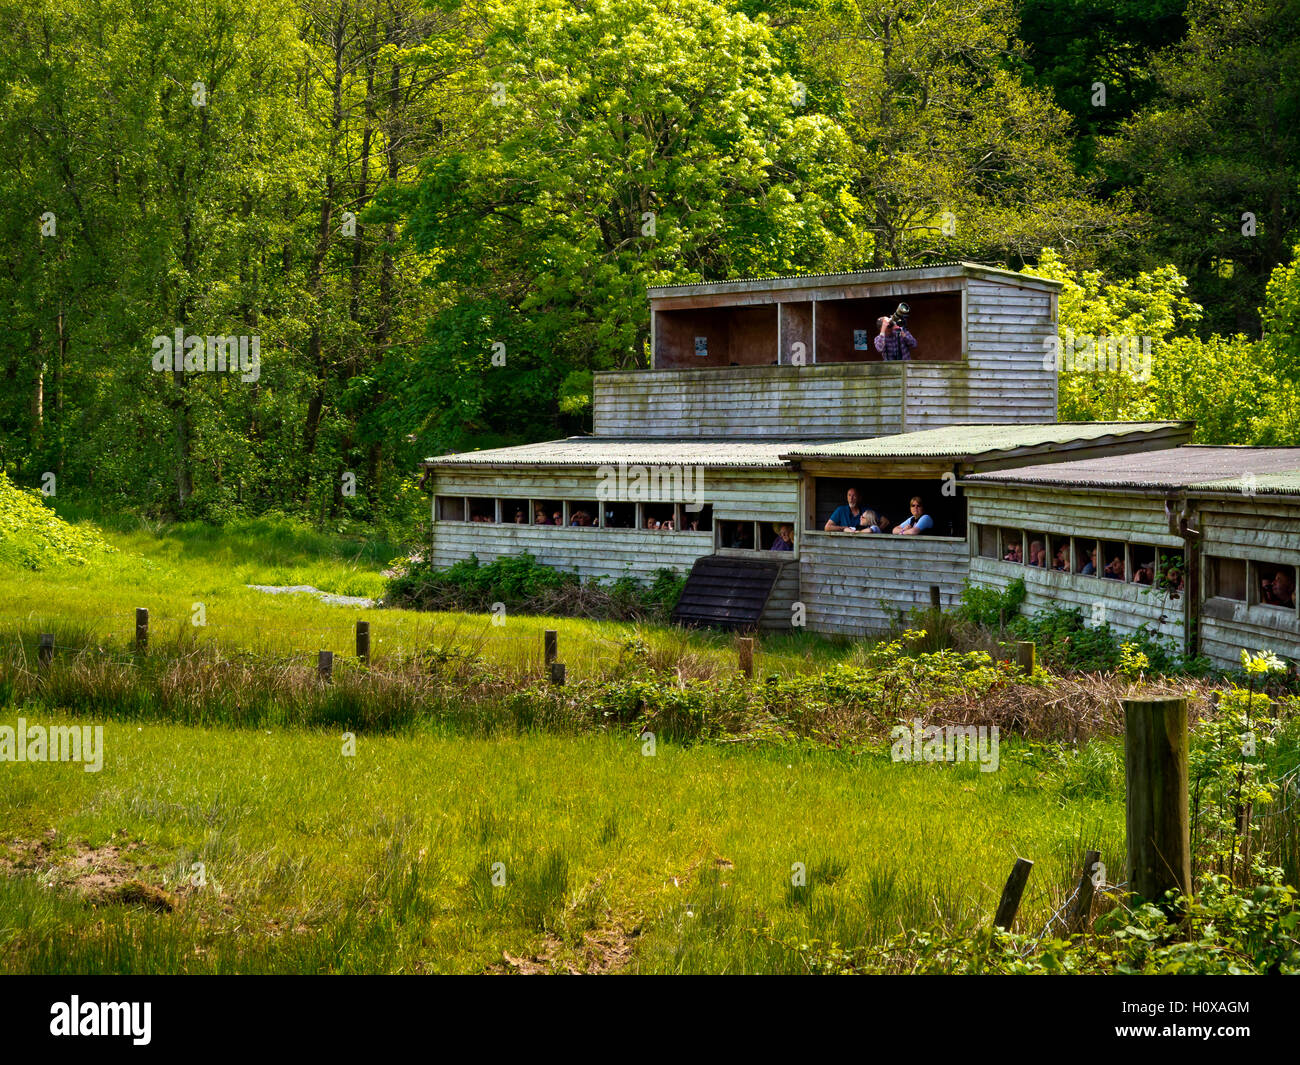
(1079, 512)
(1003, 378)
(588, 552)
(766, 495)
(1259, 529)
(852, 583)
(845, 400)
(785, 593)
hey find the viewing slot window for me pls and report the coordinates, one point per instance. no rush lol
(1112, 560)
(737, 535)
(482, 510)
(1036, 552)
(1011, 542)
(451, 508)
(847, 328)
(986, 541)
(700, 520)
(620, 515)
(1143, 564)
(1226, 578)
(583, 513)
(514, 511)
(1058, 553)
(1086, 557)
(885, 502)
(1273, 584)
(548, 512)
(661, 517)
(1171, 574)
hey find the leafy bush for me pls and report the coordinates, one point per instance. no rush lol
(525, 585)
(34, 537)
(989, 607)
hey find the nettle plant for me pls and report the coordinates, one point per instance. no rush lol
(1226, 766)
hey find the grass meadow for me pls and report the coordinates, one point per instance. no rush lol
(206, 844)
(610, 859)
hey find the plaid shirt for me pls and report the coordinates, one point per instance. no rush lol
(896, 346)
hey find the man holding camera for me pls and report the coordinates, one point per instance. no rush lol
(894, 342)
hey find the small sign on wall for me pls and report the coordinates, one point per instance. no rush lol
(701, 345)
(860, 340)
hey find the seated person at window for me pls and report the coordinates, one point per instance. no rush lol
(1037, 553)
(1089, 568)
(520, 517)
(1014, 554)
(1114, 570)
(1173, 582)
(651, 524)
(784, 538)
(693, 524)
(848, 517)
(1280, 591)
(741, 537)
(1061, 563)
(668, 525)
(1145, 573)
(481, 517)
(894, 342)
(918, 523)
(557, 518)
(581, 518)
(539, 516)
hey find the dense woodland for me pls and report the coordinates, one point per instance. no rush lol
(439, 218)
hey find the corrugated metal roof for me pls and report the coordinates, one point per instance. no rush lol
(607, 451)
(1204, 468)
(955, 441)
(902, 272)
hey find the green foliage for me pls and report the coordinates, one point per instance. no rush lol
(521, 583)
(34, 537)
(1066, 639)
(991, 608)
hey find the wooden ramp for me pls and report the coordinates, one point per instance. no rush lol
(727, 592)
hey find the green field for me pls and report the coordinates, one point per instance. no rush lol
(383, 861)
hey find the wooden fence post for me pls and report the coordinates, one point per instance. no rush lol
(141, 629)
(363, 641)
(1010, 901)
(550, 646)
(557, 673)
(934, 596)
(325, 666)
(1081, 916)
(45, 651)
(1155, 794)
(1025, 656)
(746, 649)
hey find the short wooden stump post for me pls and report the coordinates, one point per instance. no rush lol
(745, 647)
(557, 674)
(363, 641)
(1155, 794)
(45, 652)
(141, 629)
(325, 666)
(550, 646)
(1015, 888)
(1026, 656)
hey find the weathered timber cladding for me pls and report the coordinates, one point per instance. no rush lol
(588, 552)
(856, 583)
(1004, 377)
(1085, 513)
(1259, 529)
(853, 400)
(765, 495)
(785, 593)
(1076, 512)
(1123, 606)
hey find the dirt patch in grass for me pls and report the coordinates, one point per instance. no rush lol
(104, 876)
(603, 950)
